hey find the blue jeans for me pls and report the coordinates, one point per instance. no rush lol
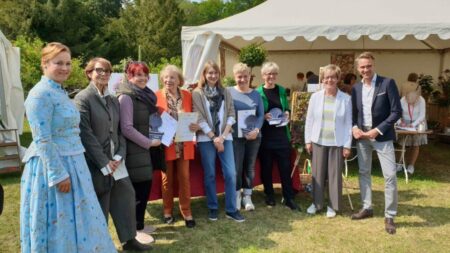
(208, 153)
(245, 153)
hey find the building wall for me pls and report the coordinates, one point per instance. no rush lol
(395, 64)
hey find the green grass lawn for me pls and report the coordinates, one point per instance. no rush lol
(423, 220)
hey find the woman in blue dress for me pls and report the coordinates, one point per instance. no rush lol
(59, 209)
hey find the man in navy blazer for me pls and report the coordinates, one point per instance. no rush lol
(376, 108)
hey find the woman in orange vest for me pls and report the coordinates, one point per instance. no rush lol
(172, 99)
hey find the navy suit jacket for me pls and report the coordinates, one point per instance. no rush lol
(386, 108)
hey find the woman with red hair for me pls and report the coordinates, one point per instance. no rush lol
(137, 103)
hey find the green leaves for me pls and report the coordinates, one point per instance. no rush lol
(253, 55)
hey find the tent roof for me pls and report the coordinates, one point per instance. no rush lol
(331, 24)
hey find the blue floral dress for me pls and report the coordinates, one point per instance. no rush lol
(52, 221)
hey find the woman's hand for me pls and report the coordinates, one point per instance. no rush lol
(287, 115)
(113, 165)
(346, 152)
(308, 148)
(219, 147)
(155, 143)
(64, 186)
(194, 127)
(268, 116)
(252, 135)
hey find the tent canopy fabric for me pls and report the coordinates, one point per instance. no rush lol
(322, 25)
(11, 92)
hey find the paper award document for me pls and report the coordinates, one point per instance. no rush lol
(168, 127)
(184, 120)
(242, 116)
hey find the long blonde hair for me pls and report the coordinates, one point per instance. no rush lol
(210, 64)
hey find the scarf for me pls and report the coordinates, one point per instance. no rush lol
(147, 96)
(215, 97)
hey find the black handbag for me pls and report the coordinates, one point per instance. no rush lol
(158, 158)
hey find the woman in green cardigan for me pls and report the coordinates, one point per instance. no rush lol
(275, 142)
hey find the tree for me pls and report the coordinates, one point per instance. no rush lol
(30, 64)
(153, 25)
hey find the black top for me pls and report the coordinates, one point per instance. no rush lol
(273, 137)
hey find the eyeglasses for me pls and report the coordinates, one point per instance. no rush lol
(102, 71)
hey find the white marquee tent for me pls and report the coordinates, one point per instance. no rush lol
(300, 35)
(11, 94)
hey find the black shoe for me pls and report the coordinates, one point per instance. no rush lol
(190, 223)
(270, 200)
(389, 226)
(291, 204)
(134, 245)
(169, 220)
(213, 214)
(362, 214)
(236, 216)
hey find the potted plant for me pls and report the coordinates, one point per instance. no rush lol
(426, 85)
(253, 55)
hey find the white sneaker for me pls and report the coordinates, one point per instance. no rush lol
(410, 169)
(144, 238)
(238, 200)
(247, 202)
(311, 209)
(148, 229)
(330, 212)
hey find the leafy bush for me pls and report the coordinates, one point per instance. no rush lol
(228, 81)
(253, 55)
(30, 65)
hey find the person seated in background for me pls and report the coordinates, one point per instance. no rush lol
(328, 136)
(301, 83)
(414, 111)
(311, 78)
(347, 83)
(410, 85)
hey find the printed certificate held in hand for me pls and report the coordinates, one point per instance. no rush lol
(185, 119)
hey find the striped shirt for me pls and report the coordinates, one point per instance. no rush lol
(327, 132)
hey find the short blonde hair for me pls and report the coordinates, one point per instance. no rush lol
(268, 67)
(91, 65)
(51, 50)
(332, 68)
(240, 68)
(172, 68)
(364, 55)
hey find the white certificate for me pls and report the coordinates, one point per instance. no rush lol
(183, 132)
(242, 115)
(121, 171)
(168, 127)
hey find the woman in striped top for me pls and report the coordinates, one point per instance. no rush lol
(328, 138)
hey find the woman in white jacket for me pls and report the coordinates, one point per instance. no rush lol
(328, 138)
